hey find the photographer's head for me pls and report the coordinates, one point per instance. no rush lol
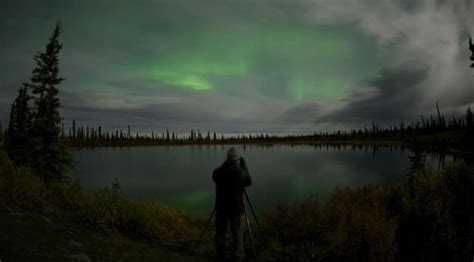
(233, 154)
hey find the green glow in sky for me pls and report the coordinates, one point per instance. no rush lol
(285, 61)
(276, 66)
(236, 55)
(182, 79)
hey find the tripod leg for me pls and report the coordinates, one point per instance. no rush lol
(250, 233)
(251, 209)
(204, 231)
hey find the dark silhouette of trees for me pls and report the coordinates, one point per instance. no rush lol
(2, 134)
(18, 142)
(74, 129)
(469, 119)
(471, 47)
(417, 163)
(51, 158)
(432, 131)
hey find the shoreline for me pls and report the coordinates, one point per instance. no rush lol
(448, 149)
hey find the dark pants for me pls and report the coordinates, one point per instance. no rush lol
(237, 230)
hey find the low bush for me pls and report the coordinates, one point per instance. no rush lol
(110, 211)
(20, 188)
(353, 225)
(379, 223)
(106, 209)
(432, 221)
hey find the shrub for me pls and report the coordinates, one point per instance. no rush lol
(439, 221)
(18, 185)
(359, 225)
(110, 211)
(372, 223)
(106, 209)
(379, 223)
(354, 225)
(294, 232)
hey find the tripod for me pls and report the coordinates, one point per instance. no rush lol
(246, 218)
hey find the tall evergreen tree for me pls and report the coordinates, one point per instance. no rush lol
(19, 127)
(471, 47)
(469, 119)
(51, 157)
(74, 129)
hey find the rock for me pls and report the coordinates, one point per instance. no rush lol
(79, 257)
(74, 243)
(48, 221)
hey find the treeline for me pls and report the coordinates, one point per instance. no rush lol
(456, 128)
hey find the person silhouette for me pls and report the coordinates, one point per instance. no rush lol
(231, 177)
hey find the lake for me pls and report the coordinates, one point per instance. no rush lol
(180, 176)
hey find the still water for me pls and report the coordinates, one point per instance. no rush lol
(180, 176)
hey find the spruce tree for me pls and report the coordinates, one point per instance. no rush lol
(74, 129)
(51, 158)
(471, 47)
(469, 119)
(19, 127)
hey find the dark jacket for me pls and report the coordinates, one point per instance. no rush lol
(231, 178)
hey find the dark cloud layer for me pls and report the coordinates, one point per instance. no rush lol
(390, 98)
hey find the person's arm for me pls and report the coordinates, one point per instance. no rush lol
(215, 175)
(246, 180)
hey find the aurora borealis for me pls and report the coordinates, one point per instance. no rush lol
(245, 66)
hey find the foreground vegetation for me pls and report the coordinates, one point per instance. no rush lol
(106, 210)
(430, 218)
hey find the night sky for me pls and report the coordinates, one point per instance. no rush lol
(281, 66)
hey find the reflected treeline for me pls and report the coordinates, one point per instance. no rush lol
(419, 156)
(367, 148)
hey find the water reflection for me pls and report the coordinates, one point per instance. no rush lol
(181, 175)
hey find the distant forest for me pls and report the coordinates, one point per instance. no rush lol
(435, 130)
(449, 132)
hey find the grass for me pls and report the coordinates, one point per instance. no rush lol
(106, 210)
(429, 219)
(110, 211)
(433, 222)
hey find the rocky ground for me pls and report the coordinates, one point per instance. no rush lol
(33, 236)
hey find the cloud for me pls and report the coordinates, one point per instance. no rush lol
(282, 65)
(424, 53)
(389, 98)
(150, 108)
